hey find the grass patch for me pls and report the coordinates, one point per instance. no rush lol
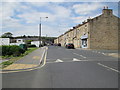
(13, 59)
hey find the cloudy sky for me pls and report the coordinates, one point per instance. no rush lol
(23, 18)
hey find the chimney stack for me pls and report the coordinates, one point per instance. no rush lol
(107, 11)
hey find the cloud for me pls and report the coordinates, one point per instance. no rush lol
(54, 13)
(60, 11)
(86, 8)
(35, 17)
(34, 30)
(26, 30)
(33, 1)
(79, 19)
(7, 9)
(60, 1)
(15, 22)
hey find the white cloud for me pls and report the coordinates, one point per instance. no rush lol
(86, 8)
(35, 17)
(79, 19)
(34, 30)
(7, 9)
(32, 16)
(61, 11)
(33, 1)
(60, 1)
(26, 30)
(39, 4)
(58, 13)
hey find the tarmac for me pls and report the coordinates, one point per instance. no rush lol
(29, 61)
(112, 53)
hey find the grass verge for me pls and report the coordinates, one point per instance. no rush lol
(13, 59)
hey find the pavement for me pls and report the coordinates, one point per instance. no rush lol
(68, 68)
(29, 61)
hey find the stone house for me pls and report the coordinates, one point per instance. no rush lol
(56, 41)
(61, 40)
(100, 32)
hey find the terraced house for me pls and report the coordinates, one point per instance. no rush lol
(100, 32)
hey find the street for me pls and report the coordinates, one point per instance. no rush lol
(68, 68)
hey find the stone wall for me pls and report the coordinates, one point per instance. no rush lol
(104, 31)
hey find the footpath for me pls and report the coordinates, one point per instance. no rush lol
(29, 61)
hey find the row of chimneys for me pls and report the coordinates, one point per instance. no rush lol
(105, 7)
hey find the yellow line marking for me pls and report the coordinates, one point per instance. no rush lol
(45, 57)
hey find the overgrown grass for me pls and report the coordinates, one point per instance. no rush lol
(13, 59)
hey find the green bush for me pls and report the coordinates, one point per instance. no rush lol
(23, 46)
(0, 50)
(7, 62)
(12, 50)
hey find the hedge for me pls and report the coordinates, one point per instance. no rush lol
(23, 46)
(12, 50)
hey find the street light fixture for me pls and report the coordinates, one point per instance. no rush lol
(40, 39)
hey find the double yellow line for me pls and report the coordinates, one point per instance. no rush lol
(45, 55)
(45, 58)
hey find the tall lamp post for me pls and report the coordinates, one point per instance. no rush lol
(40, 39)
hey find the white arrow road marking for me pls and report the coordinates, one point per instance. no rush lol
(79, 55)
(58, 60)
(108, 67)
(74, 59)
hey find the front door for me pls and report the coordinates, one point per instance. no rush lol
(84, 43)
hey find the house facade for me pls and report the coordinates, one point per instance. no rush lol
(4, 41)
(100, 32)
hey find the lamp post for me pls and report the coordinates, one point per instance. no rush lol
(40, 39)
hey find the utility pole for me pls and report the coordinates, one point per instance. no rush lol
(40, 33)
(40, 38)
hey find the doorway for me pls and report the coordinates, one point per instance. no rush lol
(84, 43)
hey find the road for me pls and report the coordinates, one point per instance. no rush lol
(68, 68)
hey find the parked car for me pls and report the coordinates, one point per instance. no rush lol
(70, 46)
(59, 44)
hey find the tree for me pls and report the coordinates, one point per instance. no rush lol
(24, 36)
(7, 35)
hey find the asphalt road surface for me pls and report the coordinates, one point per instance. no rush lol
(68, 68)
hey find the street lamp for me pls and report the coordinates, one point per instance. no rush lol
(40, 31)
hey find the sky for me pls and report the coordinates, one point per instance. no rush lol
(23, 18)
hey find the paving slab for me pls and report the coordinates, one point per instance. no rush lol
(31, 60)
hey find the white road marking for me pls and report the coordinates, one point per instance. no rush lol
(58, 60)
(103, 53)
(79, 55)
(108, 67)
(74, 59)
(82, 56)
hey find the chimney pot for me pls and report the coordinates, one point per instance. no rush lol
(107, 11)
